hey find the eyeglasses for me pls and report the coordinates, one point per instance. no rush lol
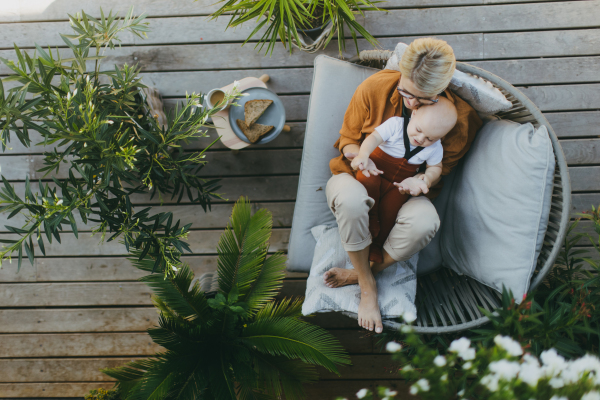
(422, 100)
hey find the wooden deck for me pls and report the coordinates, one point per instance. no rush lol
(80, 309)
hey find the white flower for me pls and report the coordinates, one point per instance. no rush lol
(236, 84)
(555, 397)
(461, 392)
(58, 203)
(444, 378)
(408, 368)
(85, 144)
(89, 192)
(74, 92)
(491, 382)
(468, 365)
(505, 369)
(423, 384)
(108, 121)
(439, 361)
(362, 392)
(459, 345)
(409, 317)
(511, 346)
(414, 390)
(389, 393)
(530, 372)
(406, 329)
(174, 268)
(556, 383)
(393, 347)
(468, 354)
(553, 362)
(593, 395)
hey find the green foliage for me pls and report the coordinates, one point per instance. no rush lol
(103, 394)
(282, 18)
(108, 141)
(241, 341)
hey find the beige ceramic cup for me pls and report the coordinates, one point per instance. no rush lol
(214, 97)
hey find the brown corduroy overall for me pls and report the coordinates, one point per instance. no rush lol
(388, 198)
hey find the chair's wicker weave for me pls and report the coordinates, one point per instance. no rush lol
(447, 302)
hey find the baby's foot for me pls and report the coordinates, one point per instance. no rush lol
(338, 277)
(369, 316)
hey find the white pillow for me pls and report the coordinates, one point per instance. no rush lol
(479, 93)
(499, 205)
(396, 285)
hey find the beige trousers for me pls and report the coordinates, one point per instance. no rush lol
(416, 224)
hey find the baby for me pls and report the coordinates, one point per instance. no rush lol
(398, 147)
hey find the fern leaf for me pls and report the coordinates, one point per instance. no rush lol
(267, 284)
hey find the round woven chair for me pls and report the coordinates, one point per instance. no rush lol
(448, 302)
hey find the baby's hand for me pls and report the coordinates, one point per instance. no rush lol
(413, 186)
(368, 167)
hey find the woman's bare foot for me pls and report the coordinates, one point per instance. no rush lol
(338, 277)
(369, 316)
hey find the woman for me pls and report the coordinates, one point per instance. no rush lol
(426, 68)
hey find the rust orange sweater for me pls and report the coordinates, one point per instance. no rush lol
(376, 100)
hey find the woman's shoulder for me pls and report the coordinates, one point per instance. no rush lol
(380, 82)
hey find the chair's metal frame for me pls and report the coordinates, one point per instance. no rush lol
(448, 302)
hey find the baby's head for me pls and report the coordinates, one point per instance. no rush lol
(429, 124)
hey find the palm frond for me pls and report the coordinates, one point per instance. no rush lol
(293, 339)
(178, 337)
(268, 283)
(221, 382)
(243, 247)
(287, 307)
(284, 378)
(179, 295)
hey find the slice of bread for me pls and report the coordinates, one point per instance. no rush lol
(253, 109)
(255, 132)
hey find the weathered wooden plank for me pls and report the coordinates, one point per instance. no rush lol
(582, 151)
(544, 71)
(77, 345)
(57, 10)
(88, 269)
(564, 97)
(201, 242)
(87, 369)
(585, 178)
(575, 124)
(418, 21)
(50, 389)
(256, 188)
(220, 164)
(95, 293)
(65, 320)
(322, 390)
(58, 370)
(215, 56)
(127, 344)
(191, 213)
(541, 44)
(584, 201)
(293, 138)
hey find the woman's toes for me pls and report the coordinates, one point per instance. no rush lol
(379, 327)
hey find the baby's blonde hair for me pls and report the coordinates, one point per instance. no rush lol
(429, 63)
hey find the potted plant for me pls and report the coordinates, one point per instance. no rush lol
(307, 24)
(241, 342)
(110, 141)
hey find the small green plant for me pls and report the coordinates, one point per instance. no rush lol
(237, 344)
(283, 18)
(109, 142)
(103, 394)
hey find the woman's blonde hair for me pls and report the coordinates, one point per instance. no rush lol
(429, 63)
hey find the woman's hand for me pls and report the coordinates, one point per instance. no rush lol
(413, 186)
(367, 166)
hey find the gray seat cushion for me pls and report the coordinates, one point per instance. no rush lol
(334, 83)
(499, 205)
